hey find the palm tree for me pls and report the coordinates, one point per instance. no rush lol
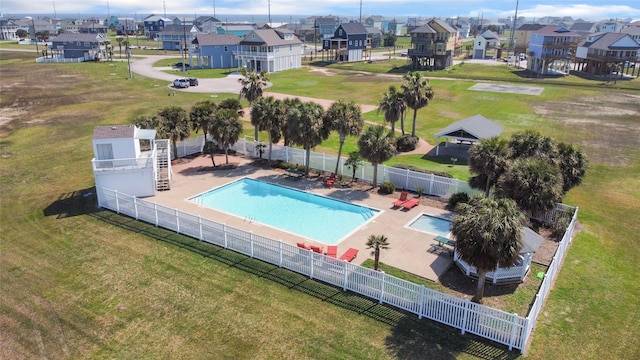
(306, 127)
(226, 129)
(174, 124)
(489, 158)
(530, 143)
(377, 243)
(289, 103)
(573, 165)
(488, 234)
(146, 122)
(417, 94)
(120, 39)
(346, 118)
(201, 115)
(232, 104)
(354, 161)
(376, 145)
(393, 106)
(268, 113)
(534, 184)
(253, 84)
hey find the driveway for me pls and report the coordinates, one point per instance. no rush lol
(144, 66)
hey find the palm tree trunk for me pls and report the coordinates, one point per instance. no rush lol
(339, 153)
(175, 148)
(226, 155)
(402, 122)
(482, 274)
(308, 150)
(375, 175)
(270, 146)
(393, 129)
(487, 187)
(212, 160)
(413, 127)
(376, 260)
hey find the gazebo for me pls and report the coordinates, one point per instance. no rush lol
(471, 129)
(531, 241)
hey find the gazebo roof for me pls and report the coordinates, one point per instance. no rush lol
(531, 241)
(471, 129)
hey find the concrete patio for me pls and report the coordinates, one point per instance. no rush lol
(409, 248)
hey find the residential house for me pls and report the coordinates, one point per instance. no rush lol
(610, 26)
(235, 29)
(599, 51)
(183, 20)
(177, 37)
(8, 28)
(584, 28)
(70, 25)
(374, 38)
(551, 49)
(349, 43)
(126, 25)
(633, 31)
(523, 35)
(270, 50)
(88, 47)
(92, 28)
(130, 160)
(377, 22)
(397, 28)
(153, 24)
(207, 24)
(326, 26)
(433, 45)
(447, 43)
(487, 44)
(216, 51)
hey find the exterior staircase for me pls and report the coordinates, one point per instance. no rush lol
(163, 165)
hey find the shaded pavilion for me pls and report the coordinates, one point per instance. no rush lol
(471, 130)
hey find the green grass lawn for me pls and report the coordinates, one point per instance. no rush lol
(80, 282)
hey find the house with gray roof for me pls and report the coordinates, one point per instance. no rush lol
(270, 50)
(550, 50)
(153, 24)
(487, 44)
(596, 53)
(349, 43)
(522, 36)
(207, 24)
(633, 30)
(216, 51)
(177, 37)
(86, 47)
(584, 28)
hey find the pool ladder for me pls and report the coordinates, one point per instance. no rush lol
(249, 219)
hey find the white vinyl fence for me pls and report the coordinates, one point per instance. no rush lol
(496, 325)
(403, 179)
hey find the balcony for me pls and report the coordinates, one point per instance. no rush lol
(612, 58)
(558, 45)
(262, 55)
(145, 161)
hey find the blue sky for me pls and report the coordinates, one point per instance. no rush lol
(492, 9)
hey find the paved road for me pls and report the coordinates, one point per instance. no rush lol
(144, 67)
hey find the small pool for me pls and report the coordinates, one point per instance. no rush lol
(432, 224)
(312, 216)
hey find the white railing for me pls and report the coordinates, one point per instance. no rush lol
(501, 274)
(492, 324)
(123, 164)
(190, 146)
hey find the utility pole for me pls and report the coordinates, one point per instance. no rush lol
(184, 49)
(360, 12)
(33, 23)
(513, 29)
(128, 52)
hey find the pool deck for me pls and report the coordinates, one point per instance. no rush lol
(408, 248)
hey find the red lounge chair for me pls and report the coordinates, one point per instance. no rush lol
(411, 203)
(401, 200)
(349, 255)
(303, 246)
(317, 249)
(332, 251)
(331, 180)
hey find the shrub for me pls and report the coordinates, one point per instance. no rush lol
(559, 227)
(406, 143)
(455, 199)
(387, 187)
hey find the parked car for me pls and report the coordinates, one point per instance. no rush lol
(193, 81)
(181, 83)
(179, 65)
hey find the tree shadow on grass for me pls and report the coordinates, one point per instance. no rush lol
(79, 202)
(411, 338)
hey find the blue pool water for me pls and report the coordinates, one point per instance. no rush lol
(312, 216)
(432, 224)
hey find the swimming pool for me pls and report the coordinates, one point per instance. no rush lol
(432, 225)
(312, 216)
